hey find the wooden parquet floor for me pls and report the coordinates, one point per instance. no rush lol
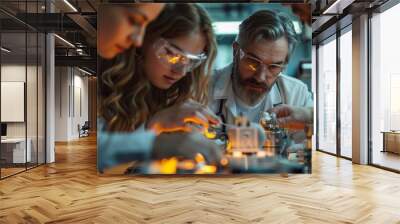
(70, 191)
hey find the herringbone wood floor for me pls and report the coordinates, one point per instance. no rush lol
(70, 191)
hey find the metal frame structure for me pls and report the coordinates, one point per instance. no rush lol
(44, 74)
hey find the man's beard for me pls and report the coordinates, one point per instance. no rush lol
(250, 91)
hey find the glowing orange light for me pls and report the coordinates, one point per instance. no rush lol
(206, 169)
(174, 60)
(199, 158)
(224, 161)
(194, 120)
(210, 135)
(158, 129)
(168, 166)
(253, 68)
(187, 165)
(229, 146)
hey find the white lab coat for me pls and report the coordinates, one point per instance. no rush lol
(286, 90)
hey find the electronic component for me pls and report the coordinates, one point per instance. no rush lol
(276, 141)
(244, 137)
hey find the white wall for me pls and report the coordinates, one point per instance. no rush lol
(13, 73)
(71, 94)
(61, 103)
(33, 127)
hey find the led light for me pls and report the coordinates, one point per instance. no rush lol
(261, 154)
(199, 158)
(237, 154)
(297, 27)
(338, 6)
(168, 166)
(331, 7)
(210, 135)
(226, 27)
(224, 161)
(65, 41)
(232, 27)
(5, 50)
(186, 165)
(70, 5)
(84, 71)
(206, 169)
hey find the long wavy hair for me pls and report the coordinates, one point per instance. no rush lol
(128, 99)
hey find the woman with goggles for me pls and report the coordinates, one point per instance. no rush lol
(161, 88)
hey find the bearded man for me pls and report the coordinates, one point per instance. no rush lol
(255, 81)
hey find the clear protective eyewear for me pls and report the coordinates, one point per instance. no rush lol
(253, 64)
(175, 58)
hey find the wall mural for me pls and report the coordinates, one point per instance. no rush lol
(166, 108)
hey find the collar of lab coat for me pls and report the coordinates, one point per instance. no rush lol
(223, 83)
(223, 90)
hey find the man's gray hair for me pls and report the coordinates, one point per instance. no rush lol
(267, 25)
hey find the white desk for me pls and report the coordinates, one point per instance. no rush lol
(17, 146)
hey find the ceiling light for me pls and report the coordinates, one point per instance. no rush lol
(84, 71)
(337, 7)
(65, 41)
(70, 5)
(5, 50)
(226, 27)
(297, 27)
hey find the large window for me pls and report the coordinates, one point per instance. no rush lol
(346, 93)
(327, 96)
(385, 87)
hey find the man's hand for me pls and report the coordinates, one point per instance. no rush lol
(287, 114)
(186, 145)
(179, 118)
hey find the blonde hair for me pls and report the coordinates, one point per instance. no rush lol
(127, 97)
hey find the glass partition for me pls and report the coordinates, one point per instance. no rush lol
(22, 90)
(13, 105)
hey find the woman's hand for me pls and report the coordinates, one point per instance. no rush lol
(186, 145)
(180, 117)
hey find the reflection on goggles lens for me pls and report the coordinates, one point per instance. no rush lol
(254, 64)
(171, 56)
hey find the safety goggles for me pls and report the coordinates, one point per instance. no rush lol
(175, 58)
(254, 64)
